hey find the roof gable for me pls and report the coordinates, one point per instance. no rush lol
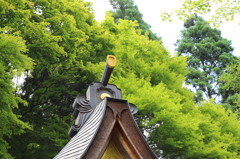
(110, 127)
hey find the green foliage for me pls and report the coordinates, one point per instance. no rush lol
(231, 83)
(208, 54)
(52, 132)
(13, 62)
(220, 130)
(208, 132)
(144, 58)
(127, 10)
(60, 36)
(222, 10)
(151, 79)
(232, 77)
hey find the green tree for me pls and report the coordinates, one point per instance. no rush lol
(61, 37)
(208, 55)
(13, 62)
(126, 9)
(150, 78)
(221, 10)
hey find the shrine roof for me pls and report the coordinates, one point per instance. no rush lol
(110, 122)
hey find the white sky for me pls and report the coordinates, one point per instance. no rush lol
(169, 32)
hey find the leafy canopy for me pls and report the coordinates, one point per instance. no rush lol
(208, 55)
(222, 10)
(13, 62)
